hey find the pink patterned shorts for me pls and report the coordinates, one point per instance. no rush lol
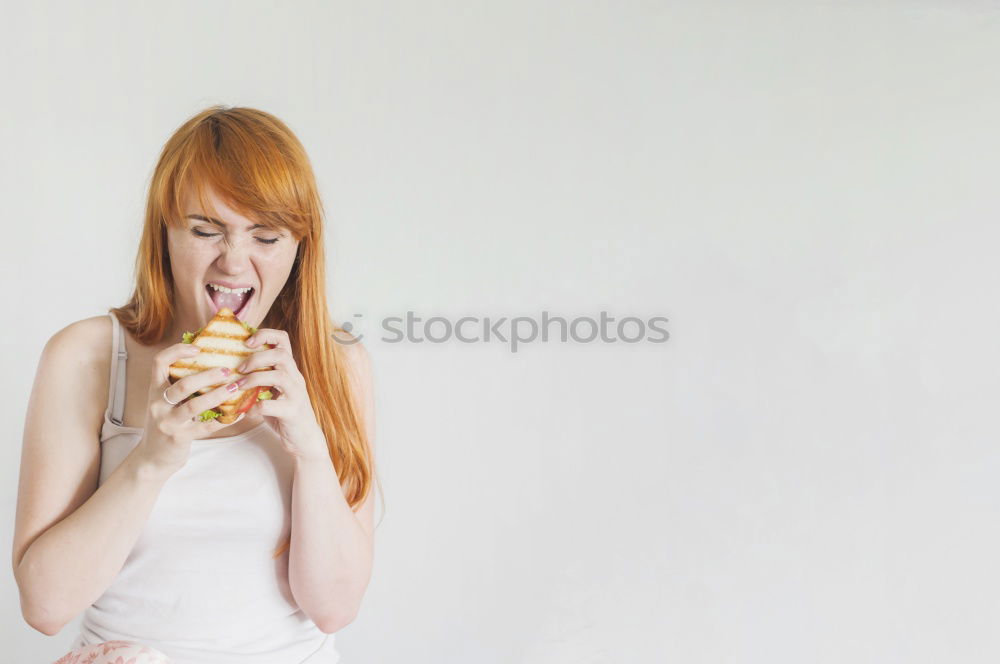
(114, 652)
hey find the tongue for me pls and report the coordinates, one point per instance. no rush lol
(231, 300)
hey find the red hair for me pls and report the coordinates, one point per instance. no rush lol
(254, 163)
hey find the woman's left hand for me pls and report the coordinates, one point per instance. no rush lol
(289, 412)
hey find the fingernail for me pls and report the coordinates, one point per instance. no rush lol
(241, 381)
(251, 341)
(232, 387)
(226, 371)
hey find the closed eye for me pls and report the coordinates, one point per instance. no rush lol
(259, 239)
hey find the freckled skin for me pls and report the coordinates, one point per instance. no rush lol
(234, 254)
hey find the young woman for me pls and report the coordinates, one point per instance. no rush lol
(197, 542)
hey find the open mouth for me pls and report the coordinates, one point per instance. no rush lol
(237, 302)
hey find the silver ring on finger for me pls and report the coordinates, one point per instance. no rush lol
(168, 400)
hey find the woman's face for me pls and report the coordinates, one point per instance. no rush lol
(225, 250)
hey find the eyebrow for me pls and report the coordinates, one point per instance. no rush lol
(219, 223)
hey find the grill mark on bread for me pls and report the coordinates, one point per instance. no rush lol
(224, 351)
(195, 368)
(216, 341)
(222, 335)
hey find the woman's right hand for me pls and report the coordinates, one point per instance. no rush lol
(169, 430)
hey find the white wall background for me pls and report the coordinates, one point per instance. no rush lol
(806, 471)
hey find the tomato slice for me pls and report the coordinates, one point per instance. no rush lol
(249, 399)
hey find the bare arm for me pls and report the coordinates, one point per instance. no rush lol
(332, 552)
(72, 563)
(71, 538)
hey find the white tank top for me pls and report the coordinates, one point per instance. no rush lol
(200, 583)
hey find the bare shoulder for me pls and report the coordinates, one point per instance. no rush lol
(81, 352)
(82, 345)
(358, 359)
(89, 335)
(84, 339)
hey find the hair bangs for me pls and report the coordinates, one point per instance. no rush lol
(246, 166)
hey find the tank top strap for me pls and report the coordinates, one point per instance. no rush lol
(116, 387)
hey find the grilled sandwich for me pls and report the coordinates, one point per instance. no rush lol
(222, 345)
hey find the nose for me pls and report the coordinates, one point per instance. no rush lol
(234, 256)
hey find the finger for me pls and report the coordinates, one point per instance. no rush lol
(270, 379)
(189, 385)
(272, 408)
(277, 357)
(166, 357)
(198, 405)
(267, 335)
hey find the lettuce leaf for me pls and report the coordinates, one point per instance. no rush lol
(264, 394)
(209, 415)
(189, 336)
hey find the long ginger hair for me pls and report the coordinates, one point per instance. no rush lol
(254, 162)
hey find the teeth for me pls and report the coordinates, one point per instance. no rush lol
(230, 290)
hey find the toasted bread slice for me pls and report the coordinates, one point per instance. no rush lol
(222, 343)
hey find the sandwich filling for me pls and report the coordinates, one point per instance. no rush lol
(233, 300)
(212, 414)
